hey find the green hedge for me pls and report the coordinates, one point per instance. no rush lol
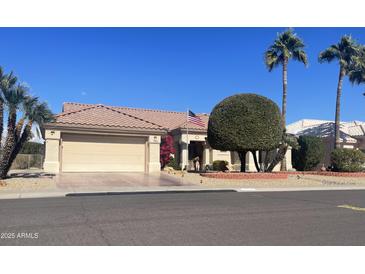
(347, 160)
(220, 165)
(309, 154)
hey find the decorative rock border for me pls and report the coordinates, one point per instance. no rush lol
(245, 175)
(277, 175)
(329, 173)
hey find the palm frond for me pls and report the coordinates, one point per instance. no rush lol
(271, 59)
(301, 56)
(357, 69)
(329, 54)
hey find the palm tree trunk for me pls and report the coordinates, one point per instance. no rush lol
(283, 107)
(19, 127)
(280, 155)
(1, 120)
(19, 145)
(9, 144)
(338, 108)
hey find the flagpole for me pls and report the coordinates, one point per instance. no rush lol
(187, 140)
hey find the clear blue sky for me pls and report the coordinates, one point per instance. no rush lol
(175, 68)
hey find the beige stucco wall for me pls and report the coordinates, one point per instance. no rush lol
(221, 155)
(53, 151)
(153, 152)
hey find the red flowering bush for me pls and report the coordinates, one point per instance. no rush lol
(166, 149)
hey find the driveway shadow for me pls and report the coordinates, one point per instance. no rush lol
(31, 175)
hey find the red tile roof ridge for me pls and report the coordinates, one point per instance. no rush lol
(133, 108)
(109, 108)
(75, 111)
(132, 116)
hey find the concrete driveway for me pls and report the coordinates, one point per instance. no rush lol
(110, 180)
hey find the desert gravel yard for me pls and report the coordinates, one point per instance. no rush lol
(28, 181)
(292, 181)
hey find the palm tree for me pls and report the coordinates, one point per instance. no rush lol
(286, 46)
(1, 105)
(345, 52)
(14, 98)
(34, 112)
(7, 82)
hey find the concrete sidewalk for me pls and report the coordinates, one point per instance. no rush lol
(36, 184)
(145, 190)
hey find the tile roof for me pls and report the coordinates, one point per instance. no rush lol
(322, 128)
(103, 116)
(165, 119)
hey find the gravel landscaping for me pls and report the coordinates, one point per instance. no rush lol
(295, 180)
(27, 180)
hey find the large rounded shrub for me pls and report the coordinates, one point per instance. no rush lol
(245, 122)
(347, 160)
(309, 154)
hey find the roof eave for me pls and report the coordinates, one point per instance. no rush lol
(120, 130)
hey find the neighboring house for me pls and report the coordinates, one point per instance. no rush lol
(36, 135)
(99, 138)
(352, 134)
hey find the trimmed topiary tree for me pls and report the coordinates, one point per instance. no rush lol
(347, 160)
(309, 153)
(245, 122)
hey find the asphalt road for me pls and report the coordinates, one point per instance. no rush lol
(265, 218)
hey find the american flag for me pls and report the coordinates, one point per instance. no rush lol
(192, 118)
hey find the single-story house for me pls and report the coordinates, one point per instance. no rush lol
(352, 134)
(99, 138)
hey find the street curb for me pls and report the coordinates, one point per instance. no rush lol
(175, 191)
(301, 189)
(29, 195)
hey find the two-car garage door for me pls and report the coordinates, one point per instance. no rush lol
(102, 153)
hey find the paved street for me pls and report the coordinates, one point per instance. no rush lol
(262, 218)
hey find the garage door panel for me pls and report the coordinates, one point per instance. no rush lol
(94, 153)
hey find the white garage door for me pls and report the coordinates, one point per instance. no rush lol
(102, 153)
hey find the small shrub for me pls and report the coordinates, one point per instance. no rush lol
(220, 165)
(174, 164)
(309, 153)
(347, 160)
